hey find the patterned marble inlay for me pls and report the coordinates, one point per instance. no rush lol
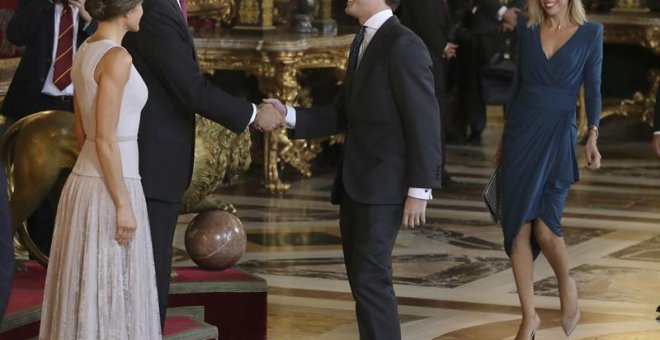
(454, 238)
(294, 239)
(441, 270)
(255, 213)
(574, 235)
(645, 251)
(609, 283)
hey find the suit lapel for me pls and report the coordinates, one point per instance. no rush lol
(359, 77)
(50, 28)
(183, 23)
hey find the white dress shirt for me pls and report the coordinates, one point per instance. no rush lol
(372, 25)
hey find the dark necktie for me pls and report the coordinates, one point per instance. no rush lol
(64, 53)
(355, 49)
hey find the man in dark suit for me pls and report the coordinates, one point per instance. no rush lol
(489, 19)
(36, 25)
(6, 246)
(164, 54)
(391, 156)
(432, 21)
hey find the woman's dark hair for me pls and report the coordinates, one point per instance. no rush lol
(102, 10)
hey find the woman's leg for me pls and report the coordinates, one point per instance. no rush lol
(522, 263)
(554, 249)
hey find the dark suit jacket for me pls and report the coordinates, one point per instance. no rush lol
(164, 54)
(390, 115)
(485, 18)
(6, 246)
(32, 26)
(429, 20)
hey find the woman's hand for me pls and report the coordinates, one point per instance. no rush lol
(593, 156)
(126, 225)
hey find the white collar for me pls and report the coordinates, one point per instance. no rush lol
(378, 19)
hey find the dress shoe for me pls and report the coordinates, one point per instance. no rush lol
(568, 323)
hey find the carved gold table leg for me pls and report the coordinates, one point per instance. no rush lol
(280, 82)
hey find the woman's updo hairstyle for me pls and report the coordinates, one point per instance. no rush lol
(102, 10)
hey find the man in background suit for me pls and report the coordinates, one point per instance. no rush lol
(489, 18)
(36, 25)
(164, 54)
(432, 21)
(391, 156)
(6, 246)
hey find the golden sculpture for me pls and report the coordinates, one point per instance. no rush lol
(40, 149)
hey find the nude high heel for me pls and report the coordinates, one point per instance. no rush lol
(568, 324)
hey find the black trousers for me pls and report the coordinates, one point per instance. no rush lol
(368, 233)
(473, 55)
(162, 220)
(6, 246)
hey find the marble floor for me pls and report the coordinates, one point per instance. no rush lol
(452, 277)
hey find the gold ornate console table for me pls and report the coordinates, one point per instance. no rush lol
(276, 58)
(635, 29)
(640, 29)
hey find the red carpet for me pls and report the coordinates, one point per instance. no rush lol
(234, 301)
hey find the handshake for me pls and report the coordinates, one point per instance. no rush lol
(270, 115)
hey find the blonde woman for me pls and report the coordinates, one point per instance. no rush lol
(559, 51)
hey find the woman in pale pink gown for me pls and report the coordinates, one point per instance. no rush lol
(101, 281)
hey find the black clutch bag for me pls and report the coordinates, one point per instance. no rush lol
(493, 196)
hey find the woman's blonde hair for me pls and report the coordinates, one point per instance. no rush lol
(536, 14)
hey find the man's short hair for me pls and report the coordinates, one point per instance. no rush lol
(393, 3)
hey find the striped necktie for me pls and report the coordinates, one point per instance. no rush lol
(64, 54)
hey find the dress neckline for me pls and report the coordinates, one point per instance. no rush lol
(88, 42)
(540, 42)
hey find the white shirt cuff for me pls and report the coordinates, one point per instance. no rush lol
(500, 13)
(290, 118)
(420, 193)
(656, 133)
(254, 115)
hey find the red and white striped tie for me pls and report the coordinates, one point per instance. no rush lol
(64, 55)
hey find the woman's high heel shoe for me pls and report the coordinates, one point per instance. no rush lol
(568, 323)
(537, 321)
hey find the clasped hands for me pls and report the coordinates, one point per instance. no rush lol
(269, 116)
